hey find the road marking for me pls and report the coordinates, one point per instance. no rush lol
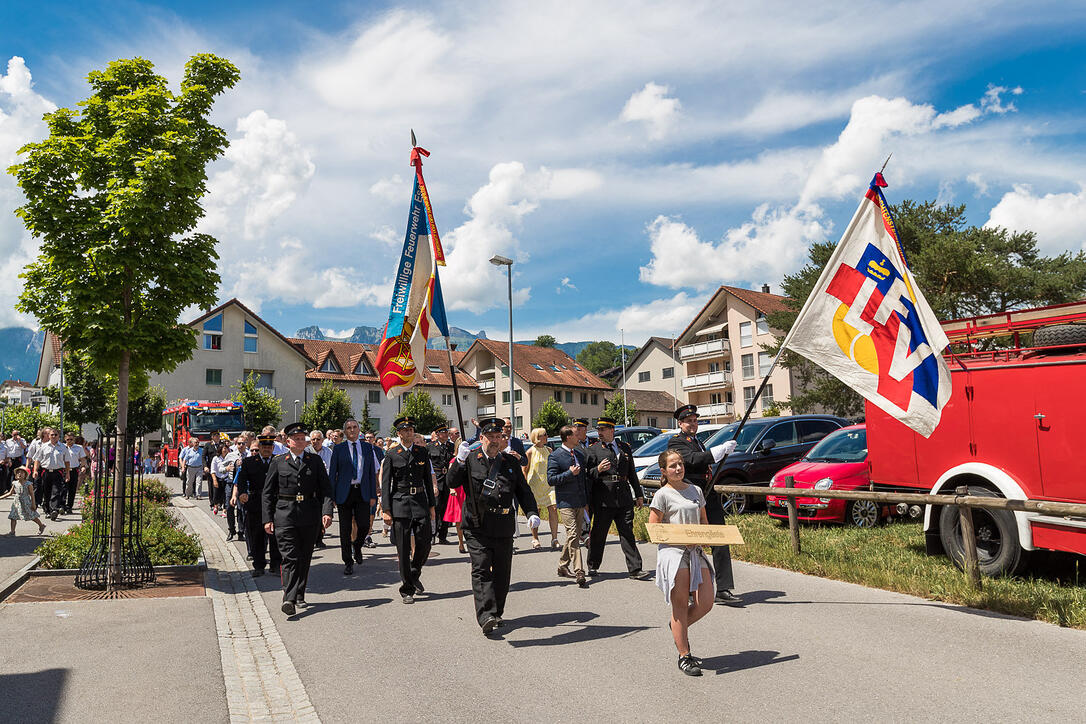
(261, 681)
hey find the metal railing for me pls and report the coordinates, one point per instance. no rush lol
(707, 379)
(699, 348)
(486, 386)
(488, 410)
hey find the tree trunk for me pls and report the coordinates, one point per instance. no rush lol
(120, 466)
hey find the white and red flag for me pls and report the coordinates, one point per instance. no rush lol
(868, 325)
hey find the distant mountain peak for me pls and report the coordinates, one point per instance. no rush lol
(310, 332)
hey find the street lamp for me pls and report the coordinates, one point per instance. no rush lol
(296, 410)
(498, 260)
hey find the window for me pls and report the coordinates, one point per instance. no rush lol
(764, 361)
(576, 368)
(651, 422)
(433, 368)
(213, 333)
(595, 398)
(362, 368)
(714, 366)
(811, 430)
(727, 365)
(376, 424)
(447, 400)
(763, 325)
(249, 344)
(516, 396)
(745, 339)
(558, 395)
(783, 433)
(555, 368)
(262, 379)
(767, 397)
(748, 395)
(563, 366)
(643, 376)
(584, 398)
(505, 396)
(213, 377)
(373, 396)
(505, 370)
(667, 374)
(714, 398)
(728, 397)
(748, 367)
(330, 365)
(520, 422)
(538, 367)
(569, 397)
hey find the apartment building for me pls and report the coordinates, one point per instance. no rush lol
(655, 367)
(539, 374)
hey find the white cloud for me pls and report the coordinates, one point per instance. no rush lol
(1058, 219)
(978, 182)
(651, 105)
(387, 235)
(636, 323)
(392, 189)
(267, 169)
(300, 279)
(993, 102)
(564, 285)
(337, 333)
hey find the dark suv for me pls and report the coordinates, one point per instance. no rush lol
(764, 446)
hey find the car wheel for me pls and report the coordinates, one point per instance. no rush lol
(862, 513)
(735, 503)
(998, 550)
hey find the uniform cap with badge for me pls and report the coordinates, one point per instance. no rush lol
(295, 428)
(492, 424)
(686, 411)
(404, 421)
(605, 422)
(580, 421)
(265, 439)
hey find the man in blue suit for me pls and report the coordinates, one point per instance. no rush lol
(353, 471)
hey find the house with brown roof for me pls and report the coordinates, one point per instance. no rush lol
(655, 367)
(350, 367)
(539, 374)
(653, 407)
(16, 393)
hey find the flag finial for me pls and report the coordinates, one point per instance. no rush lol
(415, 143)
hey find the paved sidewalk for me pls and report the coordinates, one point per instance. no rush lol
(18, 550)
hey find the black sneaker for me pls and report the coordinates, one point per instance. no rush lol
(348, 569)
(489, 625)
(689, 666)
(593, 572)
(641, 575)
(408, 599)
(369, 542)
(229, 537)
(288, 608)
(300, 603)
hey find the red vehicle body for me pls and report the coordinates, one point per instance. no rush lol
(1013, 428)
(814, 469)
(186, 419)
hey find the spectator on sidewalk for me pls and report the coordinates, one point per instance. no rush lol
(52, 468)
(235, 520)
(191, 460)
(317, 447)
(40, 496)
(16, 450)
(22, 507)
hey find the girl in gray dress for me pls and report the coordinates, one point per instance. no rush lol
(22, 506)
(682, 571)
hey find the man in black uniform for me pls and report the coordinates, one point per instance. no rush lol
(615, 491)
(441, 452)
(297, 506)
(249, 489)
(407, 504)
(699, 464)
(492, 479)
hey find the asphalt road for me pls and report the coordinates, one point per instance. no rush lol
(802, 647)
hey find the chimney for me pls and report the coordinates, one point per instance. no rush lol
(765, 289)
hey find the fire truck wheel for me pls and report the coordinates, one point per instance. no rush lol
(998, 550)
(1060, 334)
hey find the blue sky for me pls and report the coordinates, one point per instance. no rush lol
(629, 156)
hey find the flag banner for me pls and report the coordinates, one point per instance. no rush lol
(868, 325)
(417, 311)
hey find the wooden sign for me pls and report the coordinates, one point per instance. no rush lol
(687, 535)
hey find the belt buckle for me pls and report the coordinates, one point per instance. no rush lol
(412, 490)
(299, 498)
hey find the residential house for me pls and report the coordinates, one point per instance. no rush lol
(16, 393)
(654, 408)
(655, 366)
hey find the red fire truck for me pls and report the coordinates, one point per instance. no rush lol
(1008, 431)
(186, 419)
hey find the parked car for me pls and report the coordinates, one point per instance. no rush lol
(837, 462)
(648, 453)
(636, 435)
(764, 446)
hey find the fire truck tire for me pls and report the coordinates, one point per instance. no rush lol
(1060, 334)
(998, 550)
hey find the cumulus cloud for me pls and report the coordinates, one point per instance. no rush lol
(666, 316)
(267, 167)
(297, 279)
(652, 106)
(564, 285)
(1058, 219)
(392, 189)
(993, 99)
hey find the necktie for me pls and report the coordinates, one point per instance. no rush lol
(354, 455)
(614, 447)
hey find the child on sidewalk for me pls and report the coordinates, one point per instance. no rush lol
(22, 507)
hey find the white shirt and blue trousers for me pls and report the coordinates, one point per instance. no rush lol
(194, 471)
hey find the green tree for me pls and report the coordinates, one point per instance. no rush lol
(962, 270)
(599, 356)
(613, 408)
(329, 409)
(27, 420)
(366, 423)
(145, 412)
(551, 416)
(545, 340)
(87, 393)
(419, 405)
(260, 406)
(113, 196)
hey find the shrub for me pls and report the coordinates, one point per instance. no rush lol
(166, 544)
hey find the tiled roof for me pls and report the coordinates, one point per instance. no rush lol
(234, 301)
(652, 401)
(15, 383)
(347, 355)
(569, 372)
(762, 301)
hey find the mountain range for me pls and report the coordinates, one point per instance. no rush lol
(20, 352)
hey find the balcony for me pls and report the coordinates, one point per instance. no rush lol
(487, 411)
(708, 379)
(713, 348)
(715, 410)
(486, 386)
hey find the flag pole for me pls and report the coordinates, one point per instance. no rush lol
(456, 391)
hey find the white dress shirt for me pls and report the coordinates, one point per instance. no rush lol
(52, 457)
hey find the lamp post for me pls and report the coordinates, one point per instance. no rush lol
(296, 410)
(498, 260)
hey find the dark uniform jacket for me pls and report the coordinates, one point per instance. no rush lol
(407, 490)
(509, 476)
(252, 472)
(297, 492)
(617, 487)
(440, 455)
(697, 460)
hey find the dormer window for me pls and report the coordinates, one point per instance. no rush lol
(361, 368)
(330, 365)
(433, 368)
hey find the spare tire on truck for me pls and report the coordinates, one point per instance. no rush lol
(999, 552)
(1060, 334)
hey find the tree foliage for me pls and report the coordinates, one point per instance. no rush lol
(145, 411)
(963, 271)
(419, 405)
(364, 421)
(599, 356)
(613, 408)
(545, 340)
(329, 409)
(260, 406)
(87, 393)
(27, 420)
(551, 416)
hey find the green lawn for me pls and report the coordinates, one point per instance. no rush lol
(892, 557)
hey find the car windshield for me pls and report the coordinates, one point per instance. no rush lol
(843, 446)
(207, 421)
(747, 435)
(655, 446)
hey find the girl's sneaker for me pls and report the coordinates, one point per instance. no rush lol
(689, 665)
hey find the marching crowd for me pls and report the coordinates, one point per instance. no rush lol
(43, 473)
